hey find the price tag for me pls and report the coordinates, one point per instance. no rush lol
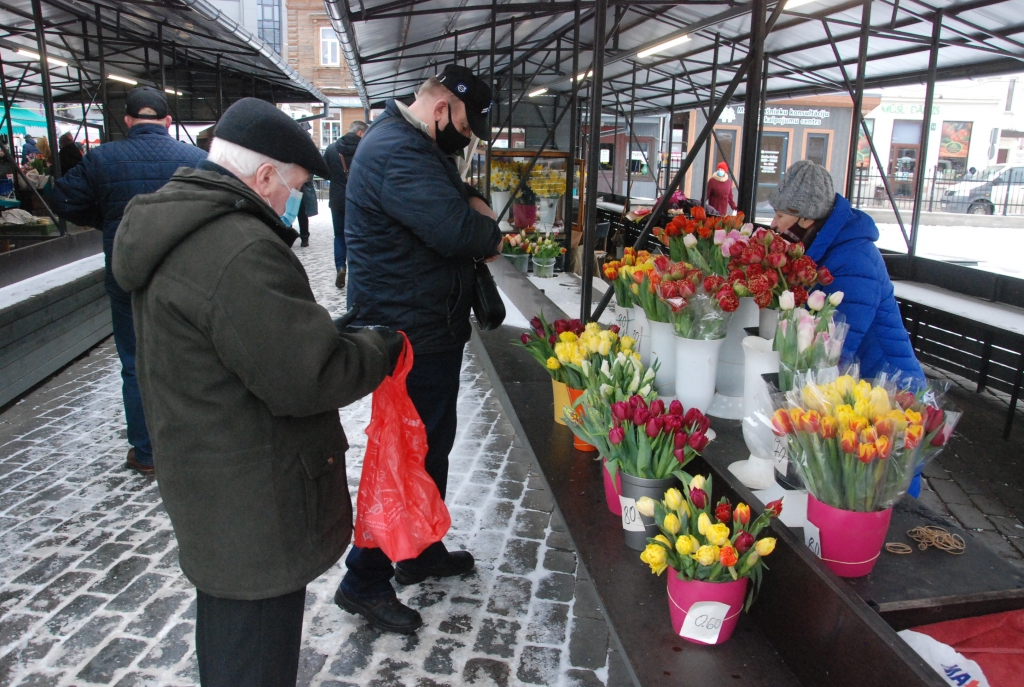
(812, 537)
(630, 517)
(780, 455)
(704, 621)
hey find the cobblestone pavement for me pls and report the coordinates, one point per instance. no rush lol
(91, 592)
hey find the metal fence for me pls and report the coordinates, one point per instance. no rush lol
(1002, 194)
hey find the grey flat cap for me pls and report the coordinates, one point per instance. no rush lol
(806, 191)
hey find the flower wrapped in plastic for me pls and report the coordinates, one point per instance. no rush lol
(809, 338)
(698, 306)
(856, 444)
(702, 540)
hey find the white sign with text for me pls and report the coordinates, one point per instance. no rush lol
(630, 517)
(704, 621)
(812, 537)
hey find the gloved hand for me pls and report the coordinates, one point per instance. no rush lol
(393, 341)
(342, 323)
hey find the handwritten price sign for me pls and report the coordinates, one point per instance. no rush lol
(812, 537)
(704, 621)
(630, 517)
(780, 455)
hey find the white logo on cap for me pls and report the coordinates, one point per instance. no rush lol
(461, 88)
(486, 109)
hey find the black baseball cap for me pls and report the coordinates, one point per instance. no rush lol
(472, 91)
(145, 96)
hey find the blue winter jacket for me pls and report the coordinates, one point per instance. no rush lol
(877, 337)
(96, 191)
(412, 236)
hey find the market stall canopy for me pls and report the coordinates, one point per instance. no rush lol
(392, 46)
(188, 48)
(23, 118)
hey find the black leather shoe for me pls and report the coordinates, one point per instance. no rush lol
(144, 470)
(389, 615)
(458, 563)
(304, 243)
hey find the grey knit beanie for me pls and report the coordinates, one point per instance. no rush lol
(805, 191)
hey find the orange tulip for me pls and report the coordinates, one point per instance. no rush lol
(884, 426)
(884, 447)
(914, 435)
(810, 422)
(868, 436)
(727, 556)
(858, 423)
(866, 452)
(742, 513)
(782, 423)
(829, 427)
(849, 441)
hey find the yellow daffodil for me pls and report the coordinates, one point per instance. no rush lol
(765, 546)
(706, 555)
(671, 523)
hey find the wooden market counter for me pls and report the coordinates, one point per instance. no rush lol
(808, 626)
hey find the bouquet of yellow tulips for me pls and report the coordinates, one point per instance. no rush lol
(697, 540)
(620, 274)
(857, 445)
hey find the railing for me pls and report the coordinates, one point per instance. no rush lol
(941, 194)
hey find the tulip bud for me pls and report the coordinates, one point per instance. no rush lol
(699, 497)
(765, 546)
(671, 523)
(698, 441)
(673, 499)
(723, 511)
(652, 429)
(680, 454)
(645, 506)
(836, 298)
(775, 508)
(675, 408)
(787, 301)
(689, 240)
(616, 436)
(742, 513)
(743, 542)
(816, 301)
(657, 407)
(525, 338)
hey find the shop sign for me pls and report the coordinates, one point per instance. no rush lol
(906, 109)
(769, 161)
(791, 116)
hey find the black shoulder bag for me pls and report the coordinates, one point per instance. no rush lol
(487, 304)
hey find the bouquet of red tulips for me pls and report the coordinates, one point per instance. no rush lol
(652, 441)
(697, 304)
(767, 265)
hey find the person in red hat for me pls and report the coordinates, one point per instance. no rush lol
(720, 190)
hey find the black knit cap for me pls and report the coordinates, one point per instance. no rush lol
(259, 126)
(142, 97)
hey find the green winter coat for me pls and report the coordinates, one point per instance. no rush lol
(242, 375)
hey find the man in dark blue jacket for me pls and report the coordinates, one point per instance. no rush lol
(338, 157)
(413, 229)
(95, 193)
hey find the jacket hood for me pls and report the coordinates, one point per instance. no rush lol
(347, 143)
(154, 224)
(844, 225)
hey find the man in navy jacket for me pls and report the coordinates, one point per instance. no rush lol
(95, 193)
(413, 229)
(339, 160)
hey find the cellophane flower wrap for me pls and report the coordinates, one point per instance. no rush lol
(543, 342)
(857, 444)
(649, 439)
(609, 377)
(701, 540)
(547, 247)
(620, 273)
(698, 306)
(809, 338)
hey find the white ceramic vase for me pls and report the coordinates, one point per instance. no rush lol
(729, 381)
(499, 199)
(663, 349)
(757, 472)
(548, 209)
(768, 322)
(696, 365)
(624, 319)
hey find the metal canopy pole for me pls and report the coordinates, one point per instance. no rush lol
(629, 143)
(752, 115)
(926, 126)
(858, 96)
(490, 112)
(220, 91)
(511, 78)
(711, 107)
(8, 105)
(51, 124)
(593, 159)
(573, 104)
(174, 85)
(160, 50)
(671, 134)
(103, 74)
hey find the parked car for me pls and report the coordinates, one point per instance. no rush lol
(992, 190)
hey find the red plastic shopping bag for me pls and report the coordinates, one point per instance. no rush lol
(399, 508)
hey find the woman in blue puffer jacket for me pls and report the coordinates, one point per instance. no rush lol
(841, 238)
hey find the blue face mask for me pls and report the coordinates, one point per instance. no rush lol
(291, 209)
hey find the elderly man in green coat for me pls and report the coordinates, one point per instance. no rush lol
(242, 375)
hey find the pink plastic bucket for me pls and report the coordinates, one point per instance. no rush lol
(850, 541)
(682, 595)
(524, 215)
(612, 491)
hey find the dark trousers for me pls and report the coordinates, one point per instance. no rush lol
(340, 250)
(303, 225)
(251, 643)
(124, 341)
(433, 385)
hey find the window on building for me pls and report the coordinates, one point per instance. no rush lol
(268, 22)
(330, 131)
(607, 158)
(330, 50)
(817, 149)
(724, 147)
